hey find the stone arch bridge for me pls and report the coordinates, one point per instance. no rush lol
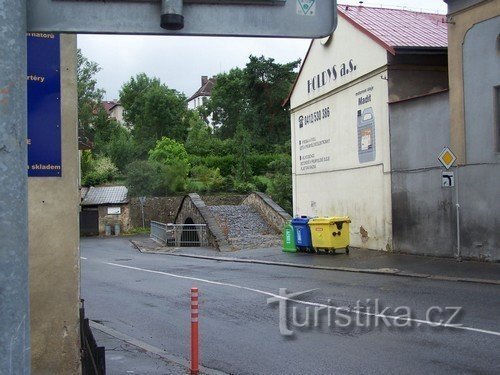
(256, 223)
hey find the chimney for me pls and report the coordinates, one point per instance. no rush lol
(204, 80)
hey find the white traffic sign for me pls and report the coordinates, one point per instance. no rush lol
(447, 158)
(447, 179)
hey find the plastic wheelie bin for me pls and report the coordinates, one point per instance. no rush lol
(302, 233)
(289, 239)
(330, 233)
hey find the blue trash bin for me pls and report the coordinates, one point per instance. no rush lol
(302, 233)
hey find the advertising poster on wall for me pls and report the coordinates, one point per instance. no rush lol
(314, 138)
(44, 105)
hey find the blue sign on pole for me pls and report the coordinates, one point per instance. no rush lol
(44, 106)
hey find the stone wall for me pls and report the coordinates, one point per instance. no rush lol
(123, 218)
(193, 207)
(274, 215)
(224, 200)
(164, 209)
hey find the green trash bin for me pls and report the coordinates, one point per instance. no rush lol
(289, 239)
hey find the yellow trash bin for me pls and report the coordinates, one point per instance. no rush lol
(330, 233)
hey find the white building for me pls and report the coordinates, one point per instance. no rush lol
(114, 110)
(201, 95)
(341, 145)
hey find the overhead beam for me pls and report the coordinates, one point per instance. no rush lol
(255, 18)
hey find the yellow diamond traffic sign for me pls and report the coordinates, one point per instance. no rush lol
(447, 158)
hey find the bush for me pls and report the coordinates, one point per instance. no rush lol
(225, 164)
(101, 170)
(259, 163)
(150, 178)
(210, 178)
(261, 183)
(280, 188)
(243, 187)
(141, 178)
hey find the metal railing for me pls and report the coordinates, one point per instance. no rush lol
(158, 231)
(180, 235)
(93, 357)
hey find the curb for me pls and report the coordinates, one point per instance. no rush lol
(152, 349)
(379, 271)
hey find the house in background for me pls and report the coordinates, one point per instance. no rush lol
(342, 139)
(202, 94)
(114, 109)
(101, 206)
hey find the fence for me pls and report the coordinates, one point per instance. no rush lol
(93, 356)
(180, 235)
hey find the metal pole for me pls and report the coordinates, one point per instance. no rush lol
(14, 283)
(142, 200)
(457, 204)
(171, 14)
(194, 331)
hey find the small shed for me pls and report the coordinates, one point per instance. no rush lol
(101, 206)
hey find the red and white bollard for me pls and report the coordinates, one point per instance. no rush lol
(194, 331)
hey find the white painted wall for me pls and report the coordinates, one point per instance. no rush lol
(328, 177)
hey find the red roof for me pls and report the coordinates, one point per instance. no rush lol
(393, 28)
(109, 105)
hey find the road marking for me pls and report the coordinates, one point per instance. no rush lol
(83, 258)
(314, 304)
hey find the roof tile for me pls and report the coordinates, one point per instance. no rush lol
(105, 195)
(400, 28)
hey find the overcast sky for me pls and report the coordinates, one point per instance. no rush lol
(180, 61)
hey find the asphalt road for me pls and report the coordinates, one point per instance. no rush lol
(146, 296)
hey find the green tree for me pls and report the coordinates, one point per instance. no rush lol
(280, 187)
(254, 97)
(89, 95)
(174, 157)
(228, 103)
(143, 178)
(168, 151)
(243, 148)
(152, 178)
(268, 85)
(153, 111)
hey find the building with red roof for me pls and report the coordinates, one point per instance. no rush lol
(340, 114)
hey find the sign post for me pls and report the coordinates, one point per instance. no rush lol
(450, 179)
(14, 290)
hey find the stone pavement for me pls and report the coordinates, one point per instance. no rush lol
(244, 227)
(359, 260)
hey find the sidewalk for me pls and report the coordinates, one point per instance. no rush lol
(126, 355)
(359, 260)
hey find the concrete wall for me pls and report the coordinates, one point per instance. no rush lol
(423, 212)
(54, 249)
(412, 74)
(481, 61)
(479, 177)
(462, 17)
